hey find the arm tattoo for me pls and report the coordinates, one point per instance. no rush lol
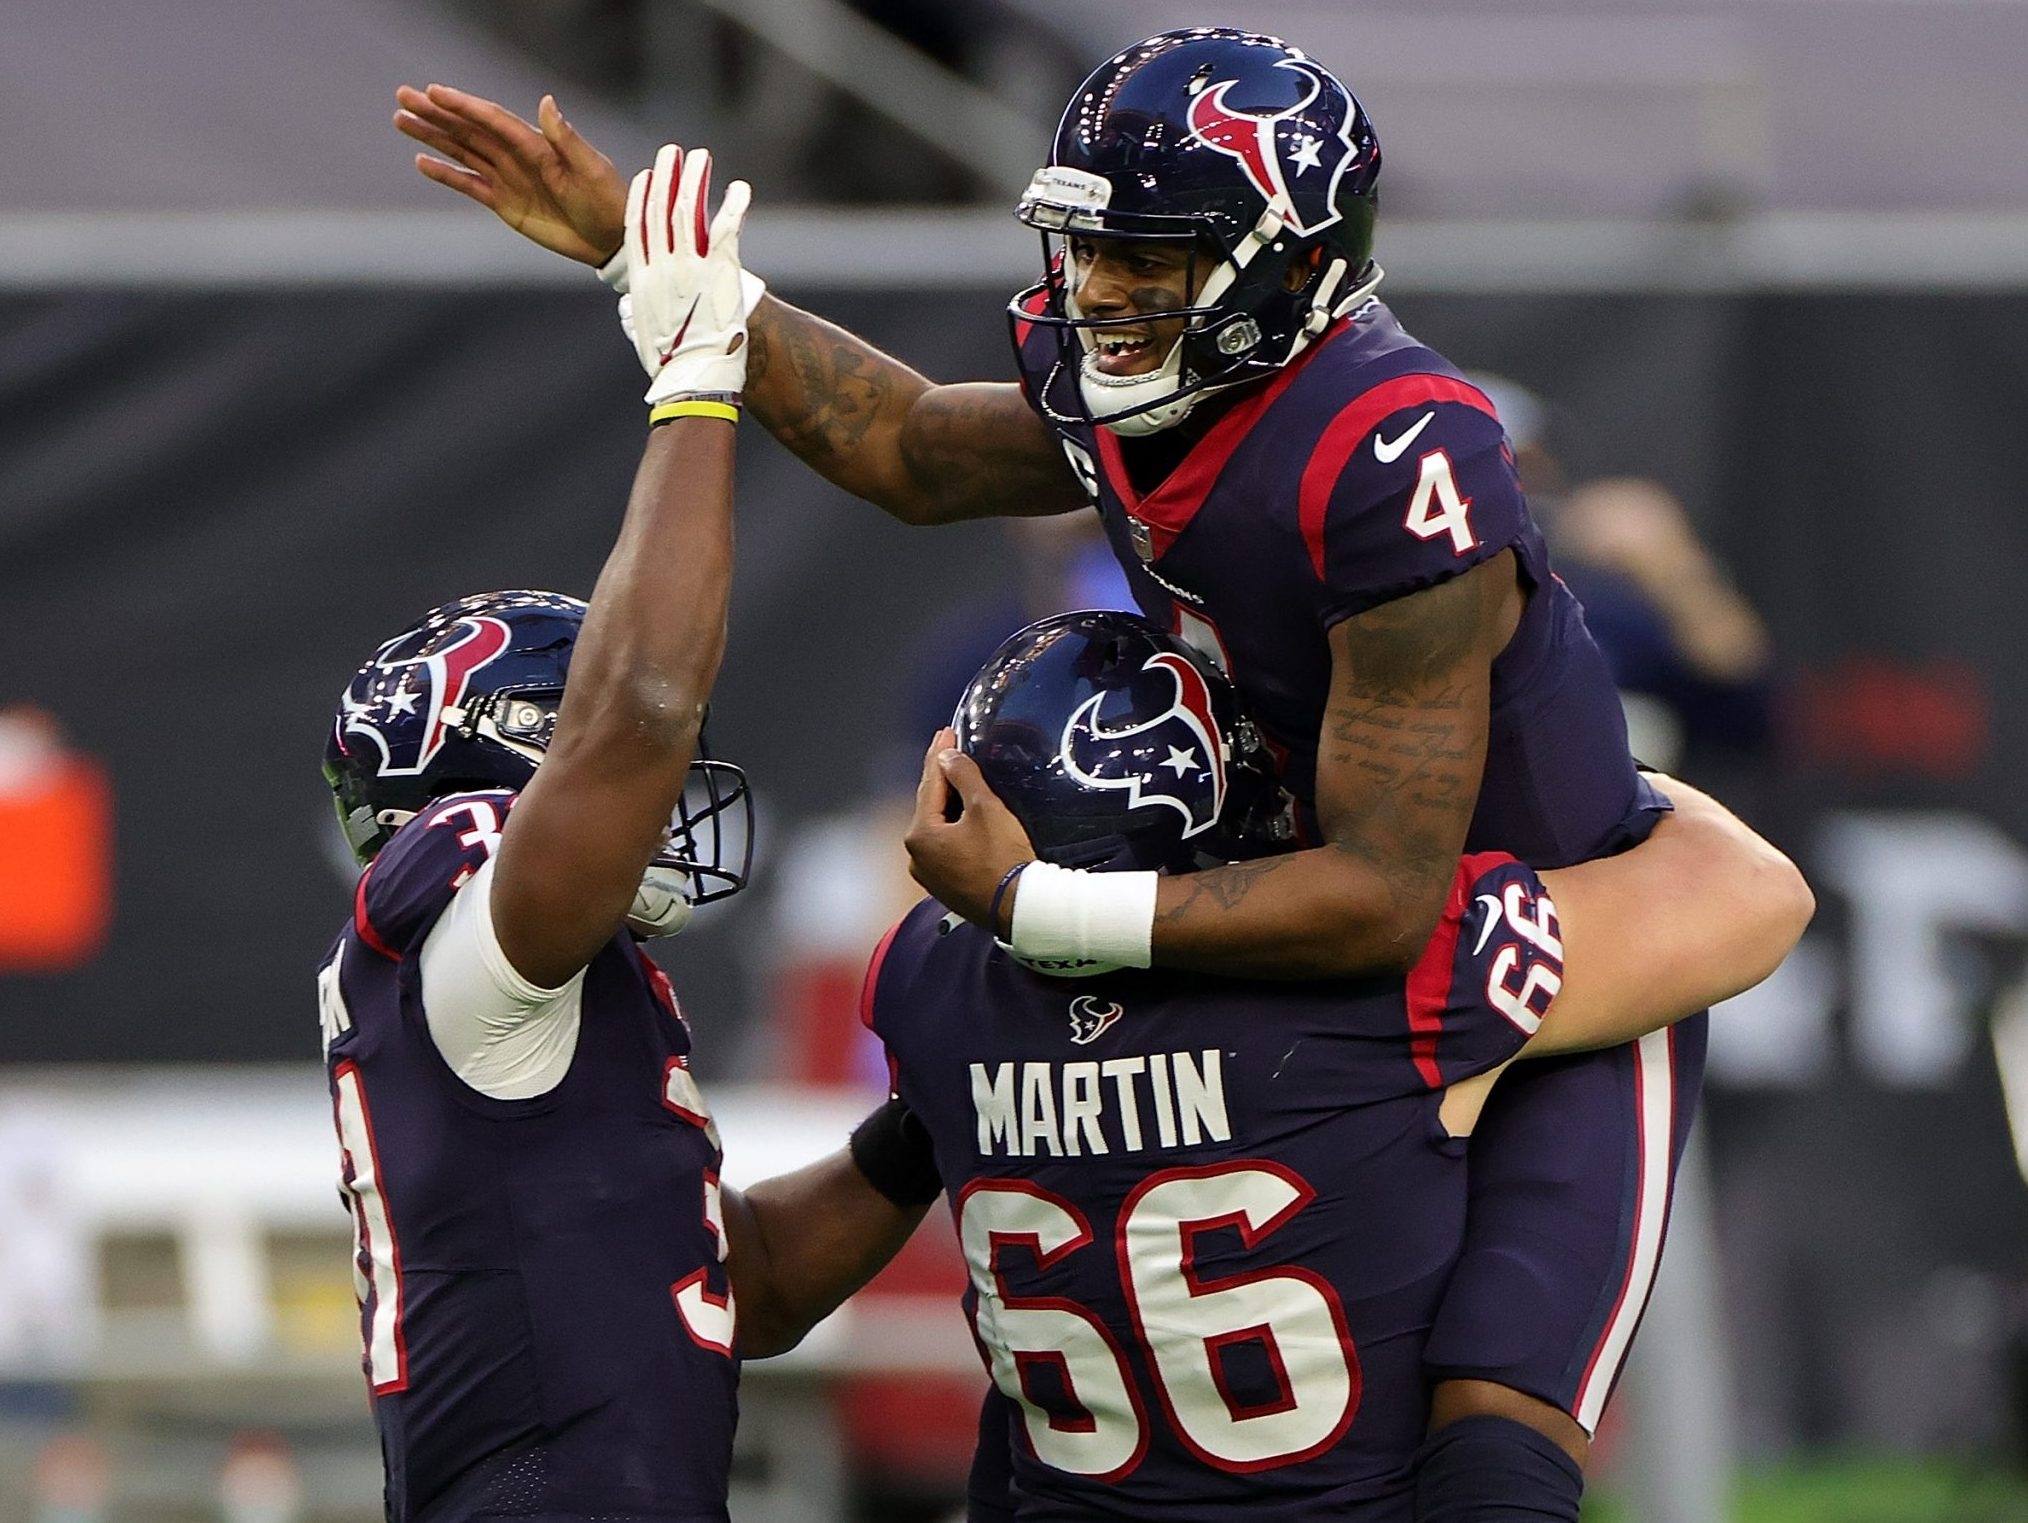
(1218, 889)
(816, 388)
(1401, 751)
(1404, 733)
(981, 445)
(878, 429)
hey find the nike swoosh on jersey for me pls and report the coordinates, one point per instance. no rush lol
(1387, 451)
(1492, 920)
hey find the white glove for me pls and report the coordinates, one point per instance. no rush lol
(614, 273)
(688, 307)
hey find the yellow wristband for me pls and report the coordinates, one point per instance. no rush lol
(667, 411)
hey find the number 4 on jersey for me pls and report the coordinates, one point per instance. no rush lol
(1438, 507)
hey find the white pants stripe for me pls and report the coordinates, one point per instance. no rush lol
(1655, 1110)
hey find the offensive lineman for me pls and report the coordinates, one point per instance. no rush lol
(1300, 487)
(1208, 1221)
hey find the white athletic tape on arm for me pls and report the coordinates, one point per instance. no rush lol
(1074, 924)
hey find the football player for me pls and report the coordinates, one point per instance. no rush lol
(533, 1174)
(1302, 489)
(1209, 1221)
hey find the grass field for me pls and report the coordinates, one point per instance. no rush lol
(1862, 1491)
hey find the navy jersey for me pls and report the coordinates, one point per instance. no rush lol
(546, 1319)
(1366, 470)
(1207, 1221)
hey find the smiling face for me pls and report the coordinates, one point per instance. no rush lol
(1134, 280)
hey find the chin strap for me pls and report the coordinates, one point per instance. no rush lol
(661, 904)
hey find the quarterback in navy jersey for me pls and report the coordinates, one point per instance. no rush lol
(1209, 1222)
(1301, 489)
(545, 1312)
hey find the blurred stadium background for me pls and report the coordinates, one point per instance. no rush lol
(1754, 274)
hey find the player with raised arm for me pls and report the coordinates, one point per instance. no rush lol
(1209, 1221)
(533, 1173)
(1298, 486)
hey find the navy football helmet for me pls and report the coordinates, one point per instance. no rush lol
(1117, 745)
(466, 698)
(1244, 146)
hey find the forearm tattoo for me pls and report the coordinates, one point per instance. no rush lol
(815, 387)
(1401, 750)
(1406, 725)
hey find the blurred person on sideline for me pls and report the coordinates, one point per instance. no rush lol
(1326, 506)
(1277, 1164)
(1690, 656)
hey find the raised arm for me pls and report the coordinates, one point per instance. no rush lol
(923, 452)
(1700, 911)
(582, 832)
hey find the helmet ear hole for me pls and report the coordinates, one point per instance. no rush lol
(1303, 268)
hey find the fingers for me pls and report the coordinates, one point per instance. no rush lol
(662, 199)
(932, 794)
(483, 117)
(963, 774)
(474, 131)
(578, 155)
(725, 227)
(464, 181)
(637, 210)
(691, 196)
(444, 132)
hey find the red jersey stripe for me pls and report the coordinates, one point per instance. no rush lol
(1344, 434)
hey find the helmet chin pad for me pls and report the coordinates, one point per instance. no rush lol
(1138, 397)
(1134, 406)
(661, 904)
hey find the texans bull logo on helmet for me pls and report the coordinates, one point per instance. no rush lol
(431, 686)
(1173, 759)
(1294, 155)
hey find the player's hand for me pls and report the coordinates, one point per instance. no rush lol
(548, 184)
(961, 861)
(688, 320)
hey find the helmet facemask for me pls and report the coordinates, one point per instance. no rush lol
(1232, 138)
(486, 737)
(1245, 320)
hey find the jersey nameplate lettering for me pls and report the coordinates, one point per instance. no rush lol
(1069, 1110)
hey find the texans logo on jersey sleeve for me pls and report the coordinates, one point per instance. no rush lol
(405, 703)
(1293, 158)
(1173, 759)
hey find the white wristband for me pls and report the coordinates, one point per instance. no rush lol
(1074, 924)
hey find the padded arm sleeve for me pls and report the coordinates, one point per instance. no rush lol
(502, 1035)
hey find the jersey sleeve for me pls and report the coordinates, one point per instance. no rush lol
(409, 884)
(1409, 485)
(1488, 974)
(873, 1009)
